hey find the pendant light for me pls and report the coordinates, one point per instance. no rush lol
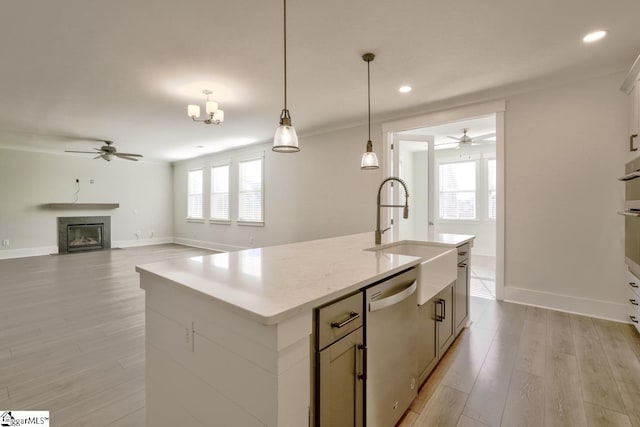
(369, 158)
(285, 139)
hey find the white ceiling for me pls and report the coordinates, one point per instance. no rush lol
(126, 70)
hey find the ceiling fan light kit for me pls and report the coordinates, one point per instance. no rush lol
(214, 115)
(467, 140)
(369, 159)
(285, 139)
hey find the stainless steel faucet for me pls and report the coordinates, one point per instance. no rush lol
(405, 206)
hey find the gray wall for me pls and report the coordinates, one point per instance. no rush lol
(28, 180)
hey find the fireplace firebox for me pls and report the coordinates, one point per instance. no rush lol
(87, 233)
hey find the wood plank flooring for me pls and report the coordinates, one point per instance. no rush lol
(72, 335)
(72, 342)
(526, 366)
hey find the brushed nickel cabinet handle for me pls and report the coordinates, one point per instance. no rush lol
(634, 302)
(462, 253)
(633, 319)
(352, 316)
(631, 138)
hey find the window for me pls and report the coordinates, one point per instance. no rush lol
(458, 190)
(491, 183)
(250, 191)
(195, 196)
(220, 193)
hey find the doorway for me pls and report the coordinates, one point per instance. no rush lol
(452, 171)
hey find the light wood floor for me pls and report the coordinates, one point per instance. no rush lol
(72, 335)
(72, 342)
(526, 366)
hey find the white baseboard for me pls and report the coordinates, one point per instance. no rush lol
(48, 250)
(208, 245)
(27, 252)
(601, 309)
(141, 242)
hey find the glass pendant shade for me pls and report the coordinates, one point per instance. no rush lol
(286, 139)
(369, 158)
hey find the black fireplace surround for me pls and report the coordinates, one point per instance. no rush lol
(83, 233)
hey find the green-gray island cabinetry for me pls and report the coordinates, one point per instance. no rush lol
(230, 336)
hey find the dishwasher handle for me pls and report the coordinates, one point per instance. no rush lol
(393, 299)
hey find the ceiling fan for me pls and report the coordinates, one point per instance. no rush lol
(108, 152)
(466, 139)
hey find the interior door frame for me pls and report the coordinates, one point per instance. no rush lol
(430, 140)
(465, 112)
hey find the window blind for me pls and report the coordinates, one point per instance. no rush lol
(220, 193)
(250, 206)
(458, 190)
(195, 196)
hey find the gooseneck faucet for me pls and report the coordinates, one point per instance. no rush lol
(405, 206)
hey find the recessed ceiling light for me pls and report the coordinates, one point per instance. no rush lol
(404, 89)
(199, 146)
(594, 36)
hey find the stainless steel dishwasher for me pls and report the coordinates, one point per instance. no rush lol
(391, 311)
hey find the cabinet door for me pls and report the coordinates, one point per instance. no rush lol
(446, 319)
(427, 339)
(461, 296)
(340, 388)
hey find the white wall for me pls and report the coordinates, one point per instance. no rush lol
(28, 180)
(565, 147)
(316, 193)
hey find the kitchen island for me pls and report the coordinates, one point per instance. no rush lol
(228, 335)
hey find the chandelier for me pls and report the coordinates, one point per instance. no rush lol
(214, 114)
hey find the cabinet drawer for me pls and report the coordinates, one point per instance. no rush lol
(337, 319)
(463, 252)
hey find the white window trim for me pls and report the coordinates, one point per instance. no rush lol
(214, 164)
(248, 158)
(486, 162)
(190, 218)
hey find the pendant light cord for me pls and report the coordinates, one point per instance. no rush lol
(369, 98)
(285, 54)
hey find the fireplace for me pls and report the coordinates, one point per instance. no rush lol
(83, 233)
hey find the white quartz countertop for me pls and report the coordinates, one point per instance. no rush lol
(274, 283)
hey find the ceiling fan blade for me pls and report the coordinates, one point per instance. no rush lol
(454, 137)
(485, 136)
(127, 158)
(97, 157)
(84, 152)
(129, 154)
